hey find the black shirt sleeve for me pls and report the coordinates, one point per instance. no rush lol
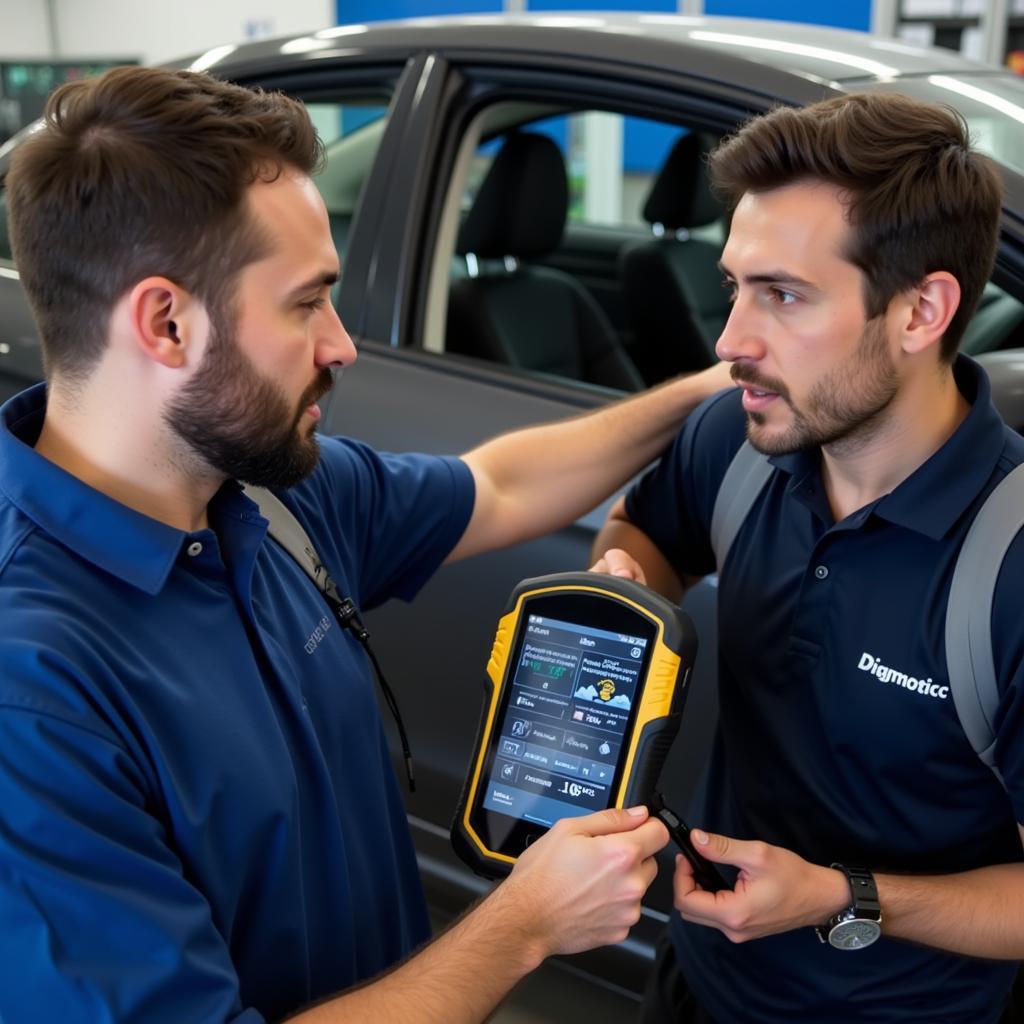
(673, 501)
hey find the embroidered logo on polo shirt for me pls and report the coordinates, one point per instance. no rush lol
(313, 642)
(885, 674)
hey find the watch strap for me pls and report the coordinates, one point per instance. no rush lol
(864, 894)
(864, 891)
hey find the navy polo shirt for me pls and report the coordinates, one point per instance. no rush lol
(198, 816)
(820, 747)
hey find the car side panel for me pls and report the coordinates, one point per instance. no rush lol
(434, 650)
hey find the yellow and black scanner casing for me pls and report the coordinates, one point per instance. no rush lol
(654, 718)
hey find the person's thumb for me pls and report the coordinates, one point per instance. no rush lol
(617, 562)
(615, 819)
(719, 849)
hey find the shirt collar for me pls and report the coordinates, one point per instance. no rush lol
(127, 544)
(939, 491)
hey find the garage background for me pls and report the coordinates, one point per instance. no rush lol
(159, 31)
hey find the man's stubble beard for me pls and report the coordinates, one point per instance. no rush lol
(234, 422)
(843, 410)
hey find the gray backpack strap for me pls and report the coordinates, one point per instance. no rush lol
(288, 532)
(743, 482)
(969, 657)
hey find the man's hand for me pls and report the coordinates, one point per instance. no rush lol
(616, 562)
(776, 890)
(580, 885)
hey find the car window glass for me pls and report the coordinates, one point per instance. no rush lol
(562, 298)
(351, 132)
(652, 295)
(611, 162)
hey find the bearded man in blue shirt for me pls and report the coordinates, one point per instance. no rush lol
(863, 233)
(198, 817)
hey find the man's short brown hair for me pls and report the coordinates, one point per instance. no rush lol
(142, 172)
(919, 199)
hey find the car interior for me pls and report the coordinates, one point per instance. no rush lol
(671, 284)
(654, 274)
(997, 324)
(510, 311)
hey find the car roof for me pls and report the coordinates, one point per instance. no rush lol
(824, 56)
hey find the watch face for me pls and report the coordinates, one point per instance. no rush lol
(855, 934)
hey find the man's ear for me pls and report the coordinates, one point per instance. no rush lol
(929, 308)
(164, 319)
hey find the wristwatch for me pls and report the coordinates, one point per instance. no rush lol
(859, 924)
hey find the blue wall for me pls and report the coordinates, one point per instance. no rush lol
(661, 6)
(358, 11)
(839, 13)
(645, 145)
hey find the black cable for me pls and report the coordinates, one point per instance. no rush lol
(392, 703)
(705, 873)
(347, 614)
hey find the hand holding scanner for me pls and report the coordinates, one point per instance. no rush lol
(585, 689)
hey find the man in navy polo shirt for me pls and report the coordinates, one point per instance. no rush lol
(198, 817)
(863, 233)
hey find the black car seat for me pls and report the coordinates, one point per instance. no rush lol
(997, 323)
(672, 286)
(535, 318)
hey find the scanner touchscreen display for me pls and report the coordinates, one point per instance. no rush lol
(584, 692)
(565, 721)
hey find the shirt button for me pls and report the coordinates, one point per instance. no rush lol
(821, 572)
(195, 548)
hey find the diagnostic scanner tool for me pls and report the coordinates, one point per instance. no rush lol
(585, 689)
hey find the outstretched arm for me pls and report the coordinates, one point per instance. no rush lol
(540, 479)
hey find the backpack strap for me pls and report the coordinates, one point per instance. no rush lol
(743, 482)
(288, 532)
(969, 657)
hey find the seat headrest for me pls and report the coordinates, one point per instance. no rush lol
(523, 201)
(681, 196)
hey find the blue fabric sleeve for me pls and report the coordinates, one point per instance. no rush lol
(99, 921)
(392, 518)
(673, 501)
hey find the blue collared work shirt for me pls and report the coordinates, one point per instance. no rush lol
(824, 747)
(198, 816)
